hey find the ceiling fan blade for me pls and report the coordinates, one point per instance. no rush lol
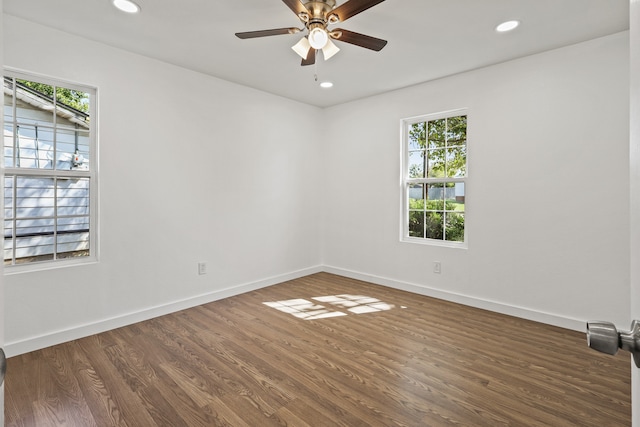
(352, 7)
(265, 33)
(358, 39)
(311, 58)
(296, 6)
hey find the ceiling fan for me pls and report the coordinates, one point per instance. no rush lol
(317, 15)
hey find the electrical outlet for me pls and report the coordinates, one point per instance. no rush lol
(437, 267)
(202, 268)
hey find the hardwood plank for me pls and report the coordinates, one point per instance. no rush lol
(99, 399)
(108, 387)
(240, 362)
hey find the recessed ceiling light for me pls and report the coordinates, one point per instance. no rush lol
(326, 85)
(507, 26)
(126, 6)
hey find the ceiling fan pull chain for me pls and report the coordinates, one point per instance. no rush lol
(315, 70)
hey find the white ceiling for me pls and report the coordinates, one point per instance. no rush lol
(428, 39)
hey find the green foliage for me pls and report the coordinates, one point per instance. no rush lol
(71, 98)
(432, 212)
(432, 205)
(455, 227)
(443, 145)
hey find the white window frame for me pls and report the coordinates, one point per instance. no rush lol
(91, 174)
(405, 181)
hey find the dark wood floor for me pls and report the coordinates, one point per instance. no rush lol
(410, 361)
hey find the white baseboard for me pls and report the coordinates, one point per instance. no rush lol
(521, 312)
(46, 340)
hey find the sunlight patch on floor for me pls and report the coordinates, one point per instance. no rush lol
(340, 305)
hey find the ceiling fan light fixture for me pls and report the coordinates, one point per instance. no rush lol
(329, 49)
(318, 38)
(126, 6)
(302, 48)
(317, 15)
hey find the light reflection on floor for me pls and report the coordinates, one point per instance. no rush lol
(340, 305)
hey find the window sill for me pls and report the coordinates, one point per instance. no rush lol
(10, 270)
(433, 242)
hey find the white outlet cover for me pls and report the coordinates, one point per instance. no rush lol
(202, 268)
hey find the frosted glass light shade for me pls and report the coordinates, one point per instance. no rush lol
(318, 38)
(329, 49)
(302, 47)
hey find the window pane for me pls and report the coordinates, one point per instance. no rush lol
(8, 121)
(417, 136)
(73, 224)
(73, 245)
(435, 197)
(74, 100)
(416, 223)
(8, 197)
(72, 137)
(83, 143)
(455, 227)
(34, 197)
(34, 248)
(73, 197)
(72, 149)
(416, 196)
(450, 196)
(416, 164)
(457, 197)
(8, 145)
(8, 242)
(457, 161)
(65, 147)
(437, 133)
(434, 225)
(34, 147)
(416, 210)
(34, 103)
(436, 163)
(33, 227)
(457, 130)
(8, 100)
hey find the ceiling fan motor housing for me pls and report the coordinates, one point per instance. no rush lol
(319, 12)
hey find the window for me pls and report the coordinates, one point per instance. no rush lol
(434, 172)
(50, 173)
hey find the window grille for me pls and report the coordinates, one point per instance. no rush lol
(49, 152)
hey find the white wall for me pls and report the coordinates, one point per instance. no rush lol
(547, 195)
(540, 128)
(223, 177)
